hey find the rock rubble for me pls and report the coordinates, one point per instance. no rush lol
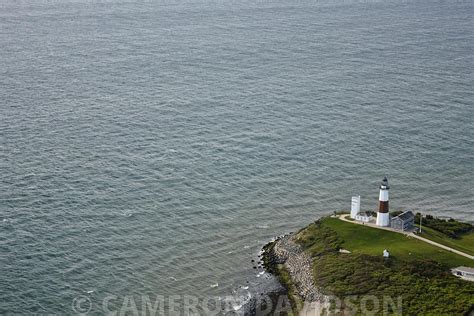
(299, 265)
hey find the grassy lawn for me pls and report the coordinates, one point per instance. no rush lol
(372, 241)
(416, 272)
(465, 243)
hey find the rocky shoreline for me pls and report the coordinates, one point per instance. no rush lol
(287, 253)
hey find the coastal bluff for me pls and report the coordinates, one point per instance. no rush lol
(336, 267)
(286, 258)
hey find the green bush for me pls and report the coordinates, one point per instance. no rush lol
(450, 227)
(426, 287)
(318, 240)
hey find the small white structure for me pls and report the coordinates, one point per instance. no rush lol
(364, 217)
(386, 254)
(355, 206)
(383, 217)
(465, 273)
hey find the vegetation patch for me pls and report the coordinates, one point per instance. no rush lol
(318, 239)
(416, 272)
(425, 287)
(464, 242)
(448, 227)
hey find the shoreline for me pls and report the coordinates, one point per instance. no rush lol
(291, 265)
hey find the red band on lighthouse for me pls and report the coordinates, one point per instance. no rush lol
(383, 206)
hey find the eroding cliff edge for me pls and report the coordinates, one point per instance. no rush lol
(286, 259)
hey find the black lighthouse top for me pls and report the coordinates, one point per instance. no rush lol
(384, 184)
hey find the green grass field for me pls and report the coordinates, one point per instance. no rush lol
(465, 243)
(367, 240)
(417, 272)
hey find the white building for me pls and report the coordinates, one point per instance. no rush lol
(355, 206)
(465, 273)
(364, 217)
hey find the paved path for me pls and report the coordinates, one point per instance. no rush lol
(410, 234)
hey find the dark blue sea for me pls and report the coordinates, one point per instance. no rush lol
(153, 147)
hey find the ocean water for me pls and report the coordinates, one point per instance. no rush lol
(153, 147)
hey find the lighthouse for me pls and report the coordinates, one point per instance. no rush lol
(383, 217)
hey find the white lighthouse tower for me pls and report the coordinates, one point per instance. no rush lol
(383, 217)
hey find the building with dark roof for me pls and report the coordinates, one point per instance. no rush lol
(404, 221)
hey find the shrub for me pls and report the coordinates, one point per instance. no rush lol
(450, 227)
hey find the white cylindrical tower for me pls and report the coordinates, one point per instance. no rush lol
(355, 206)
(383, 217)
